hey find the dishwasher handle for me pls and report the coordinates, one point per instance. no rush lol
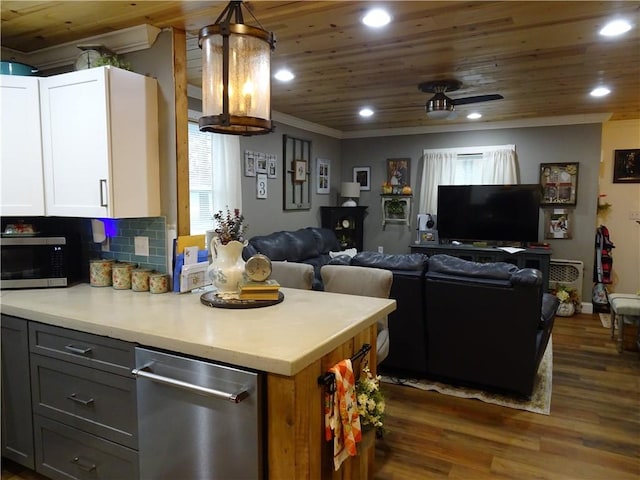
(145, 372)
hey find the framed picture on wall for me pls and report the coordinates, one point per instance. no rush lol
(261, 162)
(362, 175)
(559, 182)
(299, 171)
(558, 223)
(261, 185)
(398, 171)
(272, 166)
(249, 164)
(626, 166)
(323, 176)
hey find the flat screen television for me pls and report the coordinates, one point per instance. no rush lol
(494, 213)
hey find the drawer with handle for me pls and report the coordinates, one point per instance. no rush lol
(97, 402)
(94, 351)
(64, 452)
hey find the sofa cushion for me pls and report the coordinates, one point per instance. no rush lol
(292, 246)
(449, 265)
(326, 240)
(406, 261)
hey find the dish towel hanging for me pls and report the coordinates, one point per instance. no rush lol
(341, 414)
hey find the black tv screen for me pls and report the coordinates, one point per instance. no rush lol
(497, 213)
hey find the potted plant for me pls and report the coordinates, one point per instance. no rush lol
(371, 404)
(569, 300)
(395, 208)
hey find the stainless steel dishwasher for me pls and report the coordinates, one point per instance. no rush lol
(197, 420)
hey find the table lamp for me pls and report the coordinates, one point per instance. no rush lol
(350, 190)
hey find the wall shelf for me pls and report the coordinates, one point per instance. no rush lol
(396, 210)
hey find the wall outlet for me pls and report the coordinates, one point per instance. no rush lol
(141, 246)
(380, 249)
(634, 216)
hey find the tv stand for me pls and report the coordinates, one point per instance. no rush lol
(539, 258)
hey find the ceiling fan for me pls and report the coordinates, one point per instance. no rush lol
(440, 106)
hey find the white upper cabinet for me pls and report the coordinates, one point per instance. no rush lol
(100, 144)
(21, 187)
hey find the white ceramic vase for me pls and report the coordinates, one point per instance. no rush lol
(227, 266)
(566, 309)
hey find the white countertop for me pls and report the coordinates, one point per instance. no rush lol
(281, 339)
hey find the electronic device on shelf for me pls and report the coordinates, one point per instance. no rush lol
(496, 213)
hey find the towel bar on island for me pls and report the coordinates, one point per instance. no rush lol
(329, 380)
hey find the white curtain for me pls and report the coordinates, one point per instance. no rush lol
(482, 166)
(227, 190)
(439, 168)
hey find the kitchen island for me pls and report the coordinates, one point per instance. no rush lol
(293, 343)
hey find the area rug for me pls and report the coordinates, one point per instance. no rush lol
(540, 401)
(605, 319)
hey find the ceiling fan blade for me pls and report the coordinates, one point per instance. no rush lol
(476, 99)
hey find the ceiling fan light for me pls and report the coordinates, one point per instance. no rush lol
(600, 92)
(236, 75)
(439, 107)
(376, 18)
(474, 116)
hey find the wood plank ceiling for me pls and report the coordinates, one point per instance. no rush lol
(543, 57)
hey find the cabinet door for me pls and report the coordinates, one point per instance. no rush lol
(100, 144)
(21, 188)
(17, 419)
(75, 143)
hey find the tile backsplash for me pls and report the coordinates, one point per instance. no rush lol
(121, 234)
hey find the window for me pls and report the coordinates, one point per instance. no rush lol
(200, 179)
(214, 176)
(495, 165)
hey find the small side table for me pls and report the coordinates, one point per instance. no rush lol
(622, 304)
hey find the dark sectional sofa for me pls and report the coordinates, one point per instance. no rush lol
(479, 324)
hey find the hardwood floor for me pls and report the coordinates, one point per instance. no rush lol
(593, 431)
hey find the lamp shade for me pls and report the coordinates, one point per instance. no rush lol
(350, 190)
(236, 76)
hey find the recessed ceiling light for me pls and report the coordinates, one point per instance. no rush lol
(600, 92)
(474, 116)
(376, 18)
(616, 27)
(366, 112)
(284, 75)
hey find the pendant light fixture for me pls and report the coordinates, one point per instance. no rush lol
(236, 75)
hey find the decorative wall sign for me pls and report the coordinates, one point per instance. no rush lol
(626, 166)
(398, 171)
(296, 187)
(558, 223)
(323, 176)
(559, 182)
(261, 162)
(249, 163)
(261, 185)
(362, 175)
(272, 166)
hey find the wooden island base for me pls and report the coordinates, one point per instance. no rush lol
(295, 426)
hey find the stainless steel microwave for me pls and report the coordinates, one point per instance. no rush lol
(38, 261)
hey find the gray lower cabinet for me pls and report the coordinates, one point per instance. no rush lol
(17, 423)
(66, 452)
(84, 404)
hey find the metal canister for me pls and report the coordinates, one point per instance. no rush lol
(121, 275)
(100, 272)
(140, 279)
(158, 283)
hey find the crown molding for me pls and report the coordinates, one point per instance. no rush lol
(120, 41)
(518, 123)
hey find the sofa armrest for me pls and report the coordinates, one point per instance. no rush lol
(527, 277)
(399, 261)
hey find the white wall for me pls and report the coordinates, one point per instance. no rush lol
(624, 199)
